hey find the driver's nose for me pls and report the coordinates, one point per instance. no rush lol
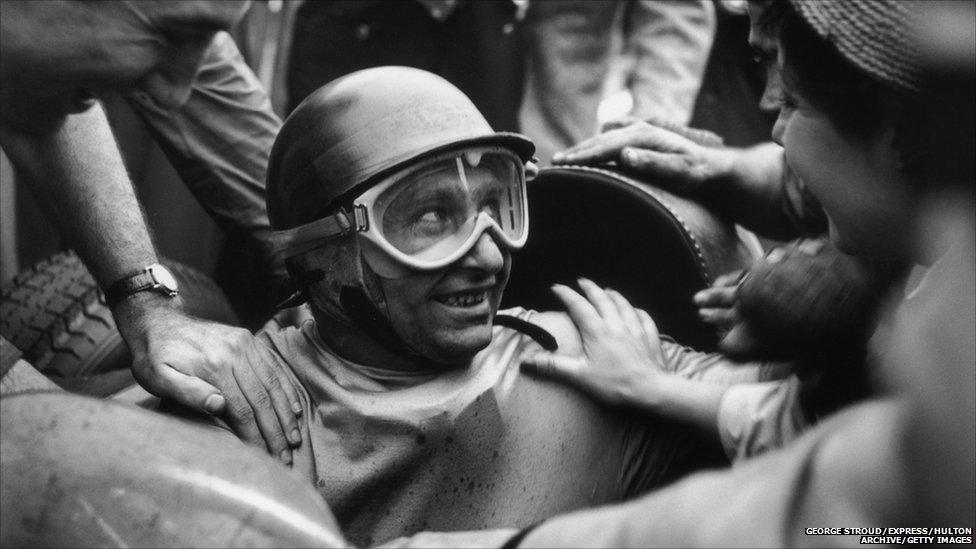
(485, 255)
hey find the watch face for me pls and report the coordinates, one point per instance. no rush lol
(164, 278)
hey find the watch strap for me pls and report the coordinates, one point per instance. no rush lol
(139, 282)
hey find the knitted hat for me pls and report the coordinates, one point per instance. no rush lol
(875, 35)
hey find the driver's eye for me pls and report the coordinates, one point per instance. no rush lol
(431, 216)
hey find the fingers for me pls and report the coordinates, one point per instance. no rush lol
(652, 338)
(284, 400)
(776, 255)
(580, 310)
(189, 391)
(648, 326)
(628, 314)
(716, 298)
(728, 279)
(558, 367)
(608, 145)
(603, 304)
(259, 411)
(602, 148)
(740, 341)
(662, 164)
(638, 323)
(618, 123)
(721, 317)
(239, 415)
(812, 247)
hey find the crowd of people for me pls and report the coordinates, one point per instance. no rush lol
(389, 203)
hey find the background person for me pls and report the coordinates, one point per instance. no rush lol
(927, 346)
(57, 59)
(645, 59)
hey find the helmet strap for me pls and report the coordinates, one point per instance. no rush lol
(370, 319)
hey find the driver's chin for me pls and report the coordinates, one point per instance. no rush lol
(461, 348)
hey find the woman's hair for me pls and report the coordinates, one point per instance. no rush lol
(857, 102)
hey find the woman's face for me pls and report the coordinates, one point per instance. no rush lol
(856, 179)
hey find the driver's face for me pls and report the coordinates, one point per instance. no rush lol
(58, 56)
(447, 315)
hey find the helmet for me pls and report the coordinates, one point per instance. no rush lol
(359, 132)
(363, 126)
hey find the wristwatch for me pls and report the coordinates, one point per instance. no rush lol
(154, 278)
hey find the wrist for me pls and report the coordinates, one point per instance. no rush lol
(650, 393)
(135, 310)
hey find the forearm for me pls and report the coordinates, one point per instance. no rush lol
(749, 190)
(690, 401)
(78, 178)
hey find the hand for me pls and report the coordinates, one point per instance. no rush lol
(212, 368)
(719, 305)
(654, 151)
(621, 354)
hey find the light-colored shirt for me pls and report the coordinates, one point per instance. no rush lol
(478, 447)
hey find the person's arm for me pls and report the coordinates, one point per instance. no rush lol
(623, 362)
(77, 175)
(78, 178)
(670, 41)
(748, 186)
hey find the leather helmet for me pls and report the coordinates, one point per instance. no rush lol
(358, 128)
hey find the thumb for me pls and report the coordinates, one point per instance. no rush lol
(189, 391)
(740, 341)
(553, 366)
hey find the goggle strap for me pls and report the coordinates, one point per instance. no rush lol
(298, 240)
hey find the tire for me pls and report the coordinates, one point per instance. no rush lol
(55, 313)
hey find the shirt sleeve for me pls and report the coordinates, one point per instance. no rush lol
(219, 142)
(670, 42)
(717, 368)
(756, 417)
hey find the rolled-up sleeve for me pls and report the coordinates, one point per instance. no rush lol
(756, 417)
(219, 142)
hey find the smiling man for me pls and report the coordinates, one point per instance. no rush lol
(397, 208)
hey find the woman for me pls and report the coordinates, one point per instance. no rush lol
(846, 128)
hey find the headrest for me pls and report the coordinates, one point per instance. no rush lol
(656, 248)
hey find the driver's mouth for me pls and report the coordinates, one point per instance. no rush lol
(463, 299)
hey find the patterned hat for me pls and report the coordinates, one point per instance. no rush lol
(875, 35)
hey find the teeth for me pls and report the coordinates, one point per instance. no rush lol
(463, 300)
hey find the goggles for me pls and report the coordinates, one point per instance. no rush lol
(428, 217)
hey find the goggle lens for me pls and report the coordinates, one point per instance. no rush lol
(432, 211)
